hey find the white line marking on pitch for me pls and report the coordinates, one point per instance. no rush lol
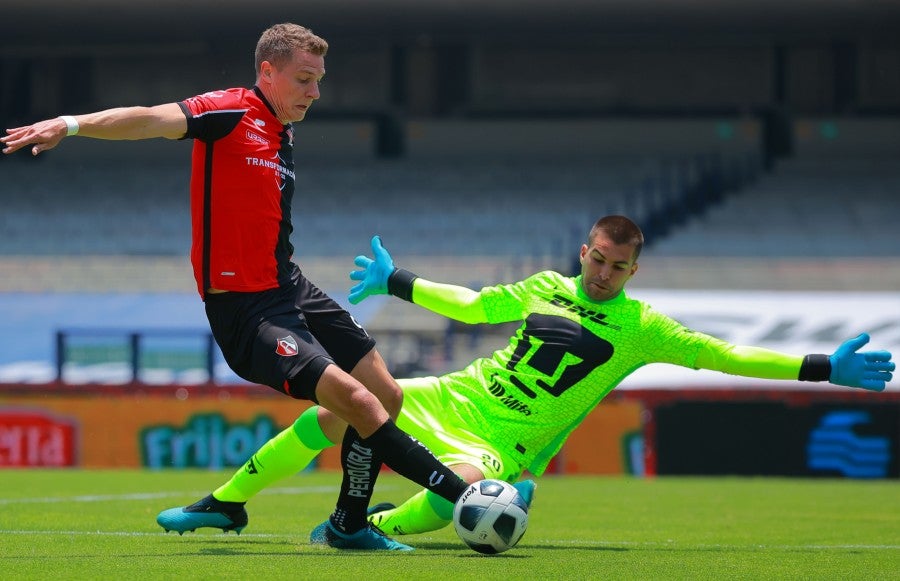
(676, 545)
(154, 495)
(213, 536)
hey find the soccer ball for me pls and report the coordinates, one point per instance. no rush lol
(490, 516)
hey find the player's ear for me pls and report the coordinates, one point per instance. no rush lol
(584, 250)
(265, 70)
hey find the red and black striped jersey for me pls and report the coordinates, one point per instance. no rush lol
(242, 184)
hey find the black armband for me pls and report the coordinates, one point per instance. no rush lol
(815, 368)
(400, 284)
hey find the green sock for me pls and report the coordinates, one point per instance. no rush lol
(425, 511)
(287, 453)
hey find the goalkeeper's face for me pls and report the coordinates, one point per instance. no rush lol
(606, 267)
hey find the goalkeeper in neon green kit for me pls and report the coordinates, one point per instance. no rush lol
(580, 337)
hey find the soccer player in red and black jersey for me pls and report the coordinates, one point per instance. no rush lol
(274, 326)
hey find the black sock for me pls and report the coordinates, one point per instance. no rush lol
(409, 458)
(361, 464)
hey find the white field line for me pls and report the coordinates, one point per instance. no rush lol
(675, 545)
(154, 495)
(205, 537)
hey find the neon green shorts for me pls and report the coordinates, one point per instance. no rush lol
(423, 417)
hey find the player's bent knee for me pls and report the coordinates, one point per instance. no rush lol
(372, 372)
(391, 397)
(350, 401)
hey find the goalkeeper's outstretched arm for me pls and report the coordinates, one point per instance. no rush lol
(847, 366)
(378, 276)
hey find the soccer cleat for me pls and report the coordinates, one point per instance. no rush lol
(374, 515)
(206, 512)
(380, 507)
(526, 490)
(368, 538)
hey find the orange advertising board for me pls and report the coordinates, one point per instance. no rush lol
(608, 441)
(138, 427)
(213, 427)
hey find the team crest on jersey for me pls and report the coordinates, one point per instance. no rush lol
(283, 173)
(287, 346)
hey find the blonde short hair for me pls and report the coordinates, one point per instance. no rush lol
(278, 43)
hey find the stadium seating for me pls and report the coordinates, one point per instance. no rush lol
(469, 208)
(808, 207)
(94, 209)
(516, 212)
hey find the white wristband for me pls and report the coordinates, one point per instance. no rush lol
(71, 124)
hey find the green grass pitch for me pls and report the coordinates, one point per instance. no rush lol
(61, 524)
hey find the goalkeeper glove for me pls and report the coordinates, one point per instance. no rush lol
(374, 274)
(868, 370)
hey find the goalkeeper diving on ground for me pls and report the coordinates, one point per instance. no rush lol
(512, 410)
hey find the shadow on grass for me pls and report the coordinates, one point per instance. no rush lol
(215, 547)
(445, 546)
(588, 547)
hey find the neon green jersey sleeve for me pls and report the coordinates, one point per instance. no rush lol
(455, 302)
(748, 361)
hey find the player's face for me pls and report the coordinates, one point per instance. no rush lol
(292, 89)
(606, 267)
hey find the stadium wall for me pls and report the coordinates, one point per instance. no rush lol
(766, 432)
(831, 433)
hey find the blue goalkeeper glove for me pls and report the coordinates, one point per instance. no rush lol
(868, 370)
(374, 274)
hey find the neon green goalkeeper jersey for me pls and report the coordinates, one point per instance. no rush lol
(567, 355)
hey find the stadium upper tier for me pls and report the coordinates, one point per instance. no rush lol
(806, 208)
(446, 208)
(825, 207)
(808, 224)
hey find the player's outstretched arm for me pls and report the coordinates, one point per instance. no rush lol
(379, 276)
(122, 123)
(868, 369)
(846, 366)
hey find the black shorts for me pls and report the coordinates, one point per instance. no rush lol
(286, 337)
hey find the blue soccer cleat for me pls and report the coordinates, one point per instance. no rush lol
(206, 512)
(368, 538)
(526, 490)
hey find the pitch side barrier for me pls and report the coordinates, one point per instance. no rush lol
(743, 431)
(125, 354)
(804, 432)
(184, 356)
